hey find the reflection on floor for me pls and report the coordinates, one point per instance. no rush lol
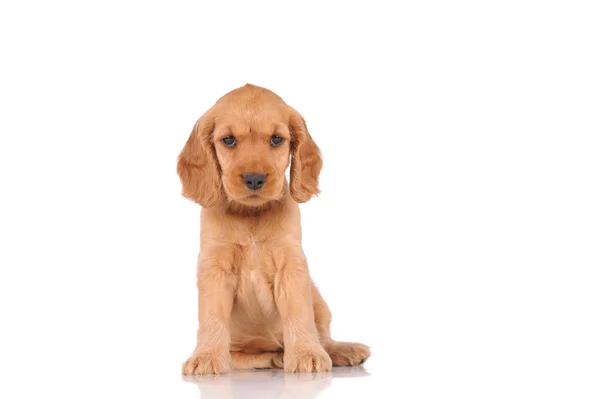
(270, 384)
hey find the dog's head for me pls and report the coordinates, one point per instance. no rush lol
(240, 148)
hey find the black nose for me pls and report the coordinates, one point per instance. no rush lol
(254, 181)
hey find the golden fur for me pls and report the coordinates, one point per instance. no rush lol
(257, 304)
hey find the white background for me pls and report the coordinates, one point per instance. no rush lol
(458, 229)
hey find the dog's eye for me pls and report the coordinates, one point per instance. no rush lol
(229, 141)
(276, 140)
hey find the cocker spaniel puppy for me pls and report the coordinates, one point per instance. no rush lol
(257, 304)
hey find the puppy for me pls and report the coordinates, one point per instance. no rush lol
(257, 304)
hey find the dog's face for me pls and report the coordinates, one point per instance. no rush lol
(240, 148)
(252, 143)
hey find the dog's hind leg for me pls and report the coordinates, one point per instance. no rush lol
(264, 360)
(341, 353)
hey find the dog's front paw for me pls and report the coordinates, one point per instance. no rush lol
(206, 363)
(313, 359)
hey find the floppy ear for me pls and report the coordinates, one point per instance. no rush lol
(306, 160)
(197, 165)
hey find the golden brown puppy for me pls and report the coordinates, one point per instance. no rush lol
(257, 305)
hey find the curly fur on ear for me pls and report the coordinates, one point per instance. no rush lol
(306, 160)
(197, 165)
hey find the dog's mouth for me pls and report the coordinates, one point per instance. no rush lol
(256, 199)
(250, 199)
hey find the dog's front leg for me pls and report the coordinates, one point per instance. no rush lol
(293, 296)
(216, 287)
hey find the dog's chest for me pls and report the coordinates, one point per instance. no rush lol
(255, 284)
